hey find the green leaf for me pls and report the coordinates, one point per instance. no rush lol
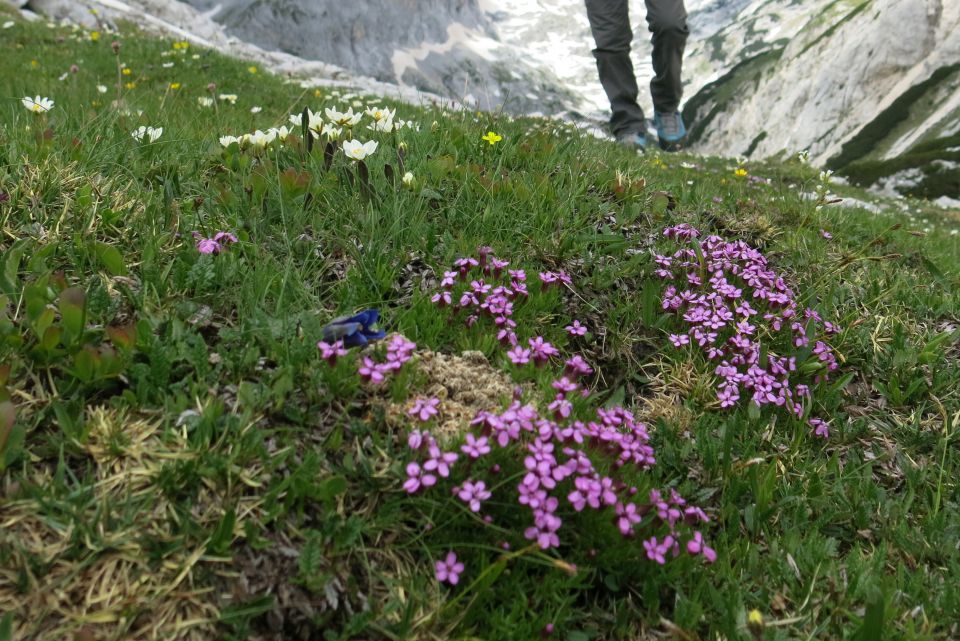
(11, 269)
(72, 303)
(8, 416)
(331, 488)
(222, 536)
(872, 627)
(247, 610)
(6, 627)
(111, 258)
(85, 364)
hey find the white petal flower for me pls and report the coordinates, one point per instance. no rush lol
(229, 97)
(147, 134)
(102, 88)
(167, 65)
(344, 119)
(226, 141)
(8, 24)
(356, 150)
(380, 113)
(261, 139)
(385, 125)
(205, 101)
(256, 110)
(331, 131)
(280, 133)
(408, 178)
(37, 105)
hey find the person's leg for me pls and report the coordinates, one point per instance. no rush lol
(668, 22)
(610, 24)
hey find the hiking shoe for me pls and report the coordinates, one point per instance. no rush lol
(633, 140)
(670, 130)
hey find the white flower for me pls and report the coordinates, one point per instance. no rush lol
(825, 176)
(385, 125)
(261, 139)
(280, 133)
(357, 150)
(102, 88)
(408, 178)
(147, 134)
(226, 141)
(331, 131)
(38, 105)
(167, 65)
(195, 56)
(344, 119)
(63, 77)
(314, 122)
(380, 113)
(8, 24)
(256, 110)
(205, 101)
(357, 103)
(229, 97)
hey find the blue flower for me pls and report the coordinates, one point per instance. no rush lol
(354, 330)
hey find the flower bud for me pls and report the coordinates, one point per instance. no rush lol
(115, 45)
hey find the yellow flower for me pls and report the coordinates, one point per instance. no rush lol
(174, 86)
(740, 172)
(317, 93)
(755, 618)
(252, 69)
(34, 64)
(94, 35)
(183, 44)
(130, 85)
(492, 138)
(127, 71)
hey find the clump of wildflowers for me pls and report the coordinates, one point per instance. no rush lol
(569, 459)
(738, 312)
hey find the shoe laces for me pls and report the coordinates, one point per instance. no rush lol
(669, 123)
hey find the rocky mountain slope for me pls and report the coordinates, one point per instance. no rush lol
(870, 87)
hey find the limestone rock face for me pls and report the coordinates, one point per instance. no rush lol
(448, 47)
(869, 87)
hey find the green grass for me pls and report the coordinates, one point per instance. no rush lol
(177, 461)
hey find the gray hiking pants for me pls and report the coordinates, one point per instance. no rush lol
(610, 24)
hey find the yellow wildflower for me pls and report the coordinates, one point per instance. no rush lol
(34, 64)
(252, 69)
(94, 35)
(492, 138)
(174, 86)
(127, 71)
(740, 172)
(130, 85)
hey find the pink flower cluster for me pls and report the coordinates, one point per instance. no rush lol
(735, 308)
(566, 465)
(399, 351)
(216, 244)
(482, 296)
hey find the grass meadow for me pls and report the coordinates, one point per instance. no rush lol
(179, 459)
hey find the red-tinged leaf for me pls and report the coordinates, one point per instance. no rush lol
(123, 336)
(8, 416)
(72, 303)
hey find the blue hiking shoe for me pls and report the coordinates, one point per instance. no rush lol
(636, 141)
(670, 130)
